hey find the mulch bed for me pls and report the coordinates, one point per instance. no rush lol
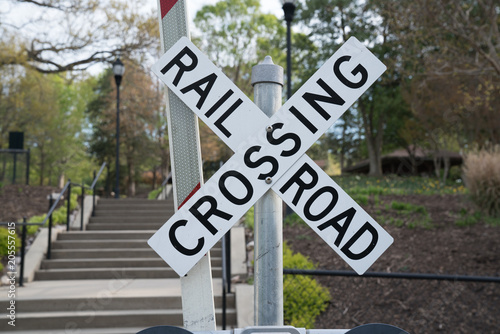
(416, 306)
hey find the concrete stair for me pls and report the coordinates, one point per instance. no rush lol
(118, 305)
(107, 279)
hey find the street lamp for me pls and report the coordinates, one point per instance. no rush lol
(118, 70)
(289, 9)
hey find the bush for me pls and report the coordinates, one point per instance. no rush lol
(4, 241)
(154, 193)
(303, 297)
(482, 179)
(249, 219)
(293, 219)
(73, 201)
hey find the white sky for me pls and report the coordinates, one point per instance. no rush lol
(16, 13)
(267, 6)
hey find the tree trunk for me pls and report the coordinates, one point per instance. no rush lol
(373, 133)
(374, 157)
(61, 181)
(437, 165)
(42, 165)
(446, 168)
(131, 178)
(107, 190)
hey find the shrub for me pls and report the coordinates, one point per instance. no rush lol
(153, 194)
(303, 297)
(249, 219)
(482, 178)
(4, 241)
(293, 219)
(408, 207)
(73, 201)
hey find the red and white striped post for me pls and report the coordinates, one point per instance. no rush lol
(197, 291)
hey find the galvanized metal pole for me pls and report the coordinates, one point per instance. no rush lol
(267, 79)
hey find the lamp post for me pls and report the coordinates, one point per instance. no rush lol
(118, 70)
(289, 9)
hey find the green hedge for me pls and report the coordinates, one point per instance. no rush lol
(58, 216)
(4, 241)
(303, 297)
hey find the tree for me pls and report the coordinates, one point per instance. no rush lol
(140, 107)
(236, 35)
(455, 44)
(49, 110)
(70, 35)
(331, 24)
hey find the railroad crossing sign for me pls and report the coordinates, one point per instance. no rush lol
(269, 153)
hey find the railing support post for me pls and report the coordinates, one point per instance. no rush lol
(81, 213)
(68, 206)
(28, 153)
(23, 251)
(93, 198)
(51, 200)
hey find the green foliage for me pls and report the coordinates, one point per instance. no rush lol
(249, 219)
(408, 207)
(293, 219)
(396, 185)
(303, 297)
(59, 216)
(153, 194)
(361, 199)
(73, 204)
(4, 241)
(468, 219)
(407, 214)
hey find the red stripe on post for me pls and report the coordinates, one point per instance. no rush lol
(198, 186)
(166, 6)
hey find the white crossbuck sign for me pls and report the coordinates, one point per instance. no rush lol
(269, 153)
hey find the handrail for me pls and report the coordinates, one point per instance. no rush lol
(168, 178)
(98, 174)
(52, 207)
(23, 244)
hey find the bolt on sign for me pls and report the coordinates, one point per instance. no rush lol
(269, 153)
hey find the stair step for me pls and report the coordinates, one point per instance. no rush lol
(106, 303)
(129, 219)
(105, 200)
(113, 253)
(138, 213)
(103, 235)
(112, 263)
(103, 319)
(121, 227)
(103, 253)
(89, 244)
(110, 273)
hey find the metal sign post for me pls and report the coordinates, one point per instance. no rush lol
(269, 153)
(267, 80)
(197, 292)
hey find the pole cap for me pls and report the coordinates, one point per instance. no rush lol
(268, 72)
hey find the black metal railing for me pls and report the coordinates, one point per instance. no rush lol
(226, 275)
(307, 292)
(14, 153)
(52, 206)
(23, 244)
(372, 274)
